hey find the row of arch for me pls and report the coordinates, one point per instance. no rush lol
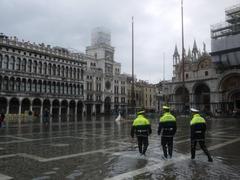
(40, 86)
(200, 97)
(39, 67)
(228, 95)
(60, 110)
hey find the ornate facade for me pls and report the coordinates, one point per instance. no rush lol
(35, 77)
(211, 81)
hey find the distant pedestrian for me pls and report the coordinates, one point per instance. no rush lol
(198, 128)
(142, 128)
(168, 126)
(2, 118)
(46, 117)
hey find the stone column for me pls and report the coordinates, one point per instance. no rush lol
(68, 112)
(41, 112)
(19, 110)
(94, 109)
(59, 113)
(102, 108)
(51, 111)
(84, 109)
(30, 108)
(75, 112)
(8, 103)
(7, 111)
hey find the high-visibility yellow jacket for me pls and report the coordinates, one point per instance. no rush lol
(168, 124)
(198, 127)
(141, 126)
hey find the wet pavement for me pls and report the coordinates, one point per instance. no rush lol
(100, 148)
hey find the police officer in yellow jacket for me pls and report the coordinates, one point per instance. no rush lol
(198, 128)
(168, 126)
(142, 128)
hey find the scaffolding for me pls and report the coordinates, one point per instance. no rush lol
(230, 27)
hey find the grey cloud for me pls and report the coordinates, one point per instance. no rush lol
(69, 23)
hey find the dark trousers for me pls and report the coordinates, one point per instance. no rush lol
(142, 144)
(203, 147)
(167, 146)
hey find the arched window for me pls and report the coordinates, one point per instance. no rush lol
(78, 74)
(24, 64)
(58, 70)
(62, 88)
(45, 68)
(67, 72)
(1, 82)
(54, 87)
(5, 84)
(44, 87)
(18, 64)
(71, 89)
(81, 74)
(40, 68)
(12, 63)
(49, 87)
(54, 69)
(74, 89)
(74, 73)
(34, 89)
(29, 66)
(62, 71)
(70, 73)
(66, 89)
(81, 89)
(39, 84)
(29, 84)
(35, 67)
(5, 62)
(50, 69)
(78, 90)
(18, 85)
(24, 85)
(1, 61)
(11, 88)
(58, 88)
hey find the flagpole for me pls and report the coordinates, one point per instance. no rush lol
(133, 93)
(183, 56)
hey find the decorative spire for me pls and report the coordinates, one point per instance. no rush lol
(176, 56)
(195, 51)
(176, 51)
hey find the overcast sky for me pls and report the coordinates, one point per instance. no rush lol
(68, 23)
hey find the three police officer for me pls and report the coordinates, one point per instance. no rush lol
(167, 125)
(142, 128)
(198, 128)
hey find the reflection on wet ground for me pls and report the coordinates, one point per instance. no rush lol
(102, 149)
